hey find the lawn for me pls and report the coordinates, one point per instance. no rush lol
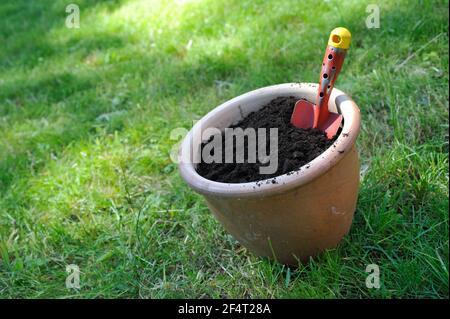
(86, 117)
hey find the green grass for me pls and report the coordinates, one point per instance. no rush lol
(85, 122)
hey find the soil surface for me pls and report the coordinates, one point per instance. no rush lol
(296, 146)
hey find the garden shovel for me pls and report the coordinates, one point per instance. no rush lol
(309, 115)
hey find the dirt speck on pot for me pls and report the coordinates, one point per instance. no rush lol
(296, 146)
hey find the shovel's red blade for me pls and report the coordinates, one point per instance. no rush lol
(303, 115)
(331, 125)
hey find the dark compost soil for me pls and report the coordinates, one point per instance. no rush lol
(296, 146)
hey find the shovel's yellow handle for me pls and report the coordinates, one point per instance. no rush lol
(340, 38)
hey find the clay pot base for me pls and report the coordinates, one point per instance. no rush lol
(296, 146)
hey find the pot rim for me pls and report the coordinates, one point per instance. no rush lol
(308, 172)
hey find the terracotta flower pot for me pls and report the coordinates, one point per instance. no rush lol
(304, 213)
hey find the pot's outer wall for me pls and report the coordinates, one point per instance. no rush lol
(305, 212)
(294, 226)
